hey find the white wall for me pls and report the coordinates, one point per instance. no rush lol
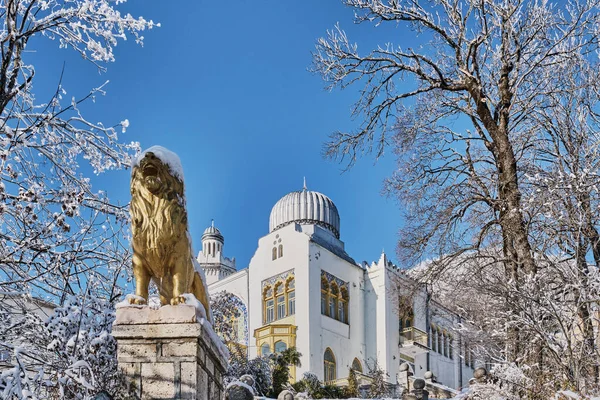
(372, 332)
(347, 341)
(236, 284)
(262, 267)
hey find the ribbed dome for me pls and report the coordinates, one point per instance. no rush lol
(212, 233)
(305, 206)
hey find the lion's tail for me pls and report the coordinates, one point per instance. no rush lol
(200, 291)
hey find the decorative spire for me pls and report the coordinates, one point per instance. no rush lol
(304, 188)
(212, 223)
(383, 259)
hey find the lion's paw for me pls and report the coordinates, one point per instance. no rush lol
(177, 300)
(137, 300)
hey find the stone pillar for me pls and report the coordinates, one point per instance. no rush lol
(403, 377)
(169, 353)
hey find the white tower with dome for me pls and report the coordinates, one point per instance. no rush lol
(216, 266)
(302, 289)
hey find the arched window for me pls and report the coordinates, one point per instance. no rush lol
(433, 338)
(343, 306)
(357, 366)
(274, 253)
(333, 301)
(280, 346)
(280, 250)
(324, 295)
(279, 300)
(270, 311)
(440, 343)
(329, 365)
(265, 350)
(269, 305)
(334, 298)
(280, 296)
(291, 296)
(450, 345)
(446, 345)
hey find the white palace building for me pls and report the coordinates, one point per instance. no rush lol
(303, 289)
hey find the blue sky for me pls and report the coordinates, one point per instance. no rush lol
(225, 85)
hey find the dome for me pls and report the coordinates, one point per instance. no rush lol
(212, 233)
(308, 207)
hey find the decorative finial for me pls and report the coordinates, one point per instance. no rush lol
(304, 188)
(212, 223)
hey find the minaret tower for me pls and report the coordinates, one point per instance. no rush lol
(212, 243)
(211, 258)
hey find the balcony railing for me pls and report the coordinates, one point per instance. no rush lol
(413, 337)
(360, 377)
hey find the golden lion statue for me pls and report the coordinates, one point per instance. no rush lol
(161, 243)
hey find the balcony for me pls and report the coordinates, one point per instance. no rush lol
(413, 341)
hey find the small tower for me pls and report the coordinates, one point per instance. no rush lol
(212, 243)
(211, 259)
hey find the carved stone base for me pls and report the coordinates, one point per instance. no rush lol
(168, 354)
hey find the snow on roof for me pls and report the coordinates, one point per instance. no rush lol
(167, 157)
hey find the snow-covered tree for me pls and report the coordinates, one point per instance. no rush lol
(227, 309)
(70, 355)
(260, 368)
(489, 94)
(378, 387)
(59, 236)
(56, 228)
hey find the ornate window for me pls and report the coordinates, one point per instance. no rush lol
(324, 295)
(334, 294)
(450, 351)
(433, 338)
(274, 253)
(270, 314)
(357, 366)
(280, 306)
(280, 250)
(446, 345)
(279, 300)
(291, 296)
(280, 346)
(334, 297)
(406, 319)
(329, 365)
(331, 311)
(265, 350)
(343, 305)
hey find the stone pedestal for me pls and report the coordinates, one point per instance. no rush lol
(168, 354)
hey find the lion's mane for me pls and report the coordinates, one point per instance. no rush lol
(158, 218)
